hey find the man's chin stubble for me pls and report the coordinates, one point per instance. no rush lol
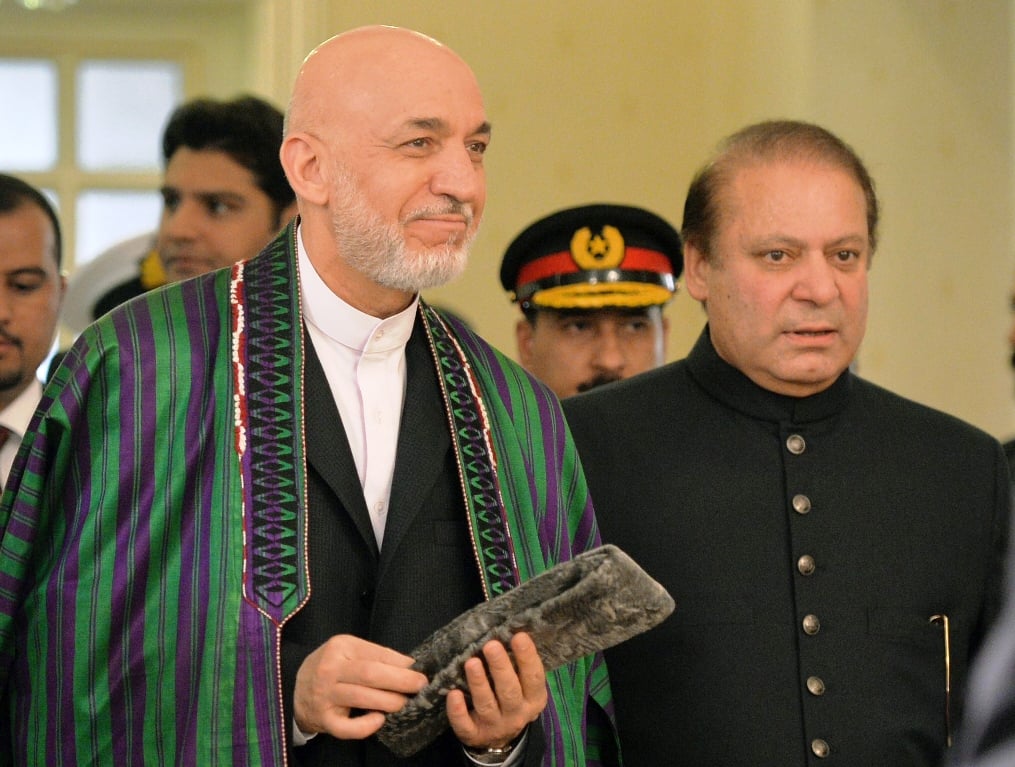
(11, 381)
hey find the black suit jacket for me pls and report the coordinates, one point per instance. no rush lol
(424, 575)
(807, 543)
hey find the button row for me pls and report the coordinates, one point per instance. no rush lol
(816, 687)
(805, 565)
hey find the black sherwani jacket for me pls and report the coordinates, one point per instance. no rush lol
(424, 576)
(813, 547)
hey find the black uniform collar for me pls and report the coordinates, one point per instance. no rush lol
(737, 391)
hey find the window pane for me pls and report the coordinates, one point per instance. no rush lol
(28, 104)
(107, 217)
(122, 109)
(54, 200)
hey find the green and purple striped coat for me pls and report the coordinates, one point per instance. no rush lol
(152, 535)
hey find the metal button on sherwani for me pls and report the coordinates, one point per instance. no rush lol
(819, 748)
(805, 564)
(795, 444)
(801, 504)
(811, 625)
(815, 685)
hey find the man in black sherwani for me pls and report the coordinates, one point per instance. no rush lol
(835, 550)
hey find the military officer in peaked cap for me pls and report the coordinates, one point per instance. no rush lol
(592, 282)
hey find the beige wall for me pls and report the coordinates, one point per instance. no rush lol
(929, 102)
(591, 101)
(599, 100)
(217, 35)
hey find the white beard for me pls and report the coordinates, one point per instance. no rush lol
(378, 249)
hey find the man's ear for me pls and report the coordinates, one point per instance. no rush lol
(523, 337)
(696, 268)
(302, 158)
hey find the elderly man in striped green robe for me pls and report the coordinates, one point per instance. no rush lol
(247, 496)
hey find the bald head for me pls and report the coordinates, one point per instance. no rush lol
(384, 143)
(356, 69)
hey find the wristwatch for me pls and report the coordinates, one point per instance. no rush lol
(490, 755)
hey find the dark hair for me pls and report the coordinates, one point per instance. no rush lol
(14, 193)
(772, 140)
(246, 128)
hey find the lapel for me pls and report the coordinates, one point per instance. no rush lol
(328, 447)
(423, 441)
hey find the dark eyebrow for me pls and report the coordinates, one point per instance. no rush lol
(211, 195)
(219, 196)
(27, 271)
(781, 240)
(850, 240)
(437, 125)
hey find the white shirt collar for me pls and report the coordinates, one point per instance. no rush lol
(17, 415)
(344, 323)
(364, 362)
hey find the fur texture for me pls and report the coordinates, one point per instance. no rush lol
(582, 606)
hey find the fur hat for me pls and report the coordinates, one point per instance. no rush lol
(578, 607)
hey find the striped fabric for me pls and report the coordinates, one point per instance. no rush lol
(550, 519)
(151, 534)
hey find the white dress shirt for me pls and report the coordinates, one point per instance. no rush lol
(364, 361)
(15, 418)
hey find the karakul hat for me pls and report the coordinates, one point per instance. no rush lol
(578, 607)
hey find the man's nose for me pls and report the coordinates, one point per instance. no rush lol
(610, 353)
(458, 176)
(816, 280)
(181, 221)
